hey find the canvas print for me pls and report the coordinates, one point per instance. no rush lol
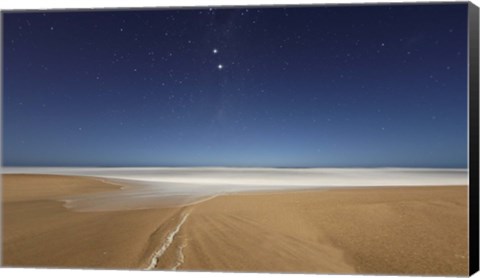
(297, 139)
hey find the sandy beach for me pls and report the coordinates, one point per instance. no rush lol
(381, 230)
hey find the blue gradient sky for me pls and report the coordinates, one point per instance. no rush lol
(297, 87)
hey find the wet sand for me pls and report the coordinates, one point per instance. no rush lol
(382, 230)
(39, 231)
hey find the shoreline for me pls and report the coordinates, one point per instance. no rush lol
(370, 230)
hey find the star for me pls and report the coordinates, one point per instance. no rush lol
(215, 51)
(220, 66)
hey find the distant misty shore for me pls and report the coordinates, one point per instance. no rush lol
(239, 176)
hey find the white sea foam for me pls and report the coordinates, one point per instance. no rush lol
(180, 257)
(179, 186)
(266, 176)
(168, 241)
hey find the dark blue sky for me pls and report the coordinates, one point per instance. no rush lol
(348, 86)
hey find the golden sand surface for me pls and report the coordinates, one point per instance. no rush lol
(381, 230)
(39, 231)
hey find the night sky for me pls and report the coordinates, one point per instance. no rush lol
(347, 86)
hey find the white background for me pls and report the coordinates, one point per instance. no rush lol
(49, 4)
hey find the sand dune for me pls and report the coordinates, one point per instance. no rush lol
(417, 230)
(378, 230)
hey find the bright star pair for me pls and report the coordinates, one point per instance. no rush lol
(215, 51)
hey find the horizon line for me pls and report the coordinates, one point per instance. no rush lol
(219, 166)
